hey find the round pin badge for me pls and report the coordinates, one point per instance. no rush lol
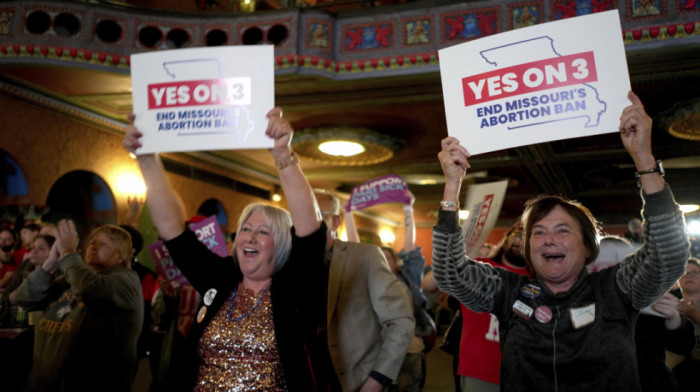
(530, 290)
(202, 312)
(543, 314)
(209, 296)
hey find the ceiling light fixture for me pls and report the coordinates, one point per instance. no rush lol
(341, 148)
(682, 120)
(376, 147)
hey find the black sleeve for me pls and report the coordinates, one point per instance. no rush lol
(202, 267)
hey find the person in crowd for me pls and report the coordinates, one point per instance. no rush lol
(659, 328)
(38, 253)
(452, 337)
(48, 228)
(148, 286)
(408, 266)
(26, 236)
(8, 240)
(258, 326)
(479, 355)
(687, 371)
(479, 349)
(174, 311)
(369, 316)
(19, 253)
(92, 313)
(567, 329)
(16, 361)
(635, 231)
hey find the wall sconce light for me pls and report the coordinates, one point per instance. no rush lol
(276, 195)
(342, 233)
(247, 6)
(134, 189)
(387, 236)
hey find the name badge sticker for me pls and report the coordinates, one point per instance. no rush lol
(522, 310)
(580, 317)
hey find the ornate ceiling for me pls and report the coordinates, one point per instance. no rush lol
(326, 78)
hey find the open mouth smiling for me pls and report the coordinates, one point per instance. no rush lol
(250, 252)
(554, 257)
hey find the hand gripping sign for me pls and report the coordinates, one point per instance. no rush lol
(203, 98)
(388, 189)
(546, 82)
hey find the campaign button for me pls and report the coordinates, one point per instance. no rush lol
(530, 290)
(202, 312)
(209, 296)
(543, 314)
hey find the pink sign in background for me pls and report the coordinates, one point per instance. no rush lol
(388, 189)
(207, 231)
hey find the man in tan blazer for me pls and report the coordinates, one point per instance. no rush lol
(369, 314)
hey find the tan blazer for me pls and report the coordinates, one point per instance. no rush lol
(370, 315)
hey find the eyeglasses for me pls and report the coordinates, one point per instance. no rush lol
(694, 274)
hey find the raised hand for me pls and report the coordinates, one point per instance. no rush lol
(453, 159)
(279, 129)
(667, 305)
(67, 239)
(635, 131)
(132, 135)
(635, 128)
(50, 265)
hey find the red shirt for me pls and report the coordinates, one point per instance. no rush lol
(479, 349)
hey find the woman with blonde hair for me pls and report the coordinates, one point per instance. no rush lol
(258, 325)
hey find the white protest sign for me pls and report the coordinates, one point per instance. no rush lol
(552, 81)
(203, 98)
(484, 202)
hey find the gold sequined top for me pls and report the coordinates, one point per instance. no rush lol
(239, 351)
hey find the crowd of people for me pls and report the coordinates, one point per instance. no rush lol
(294, 308)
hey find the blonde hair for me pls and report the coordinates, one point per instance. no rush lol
(280, 223)
(121, 240)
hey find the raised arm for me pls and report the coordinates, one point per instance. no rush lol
(409, 241)
(453, 159)
(166, 213)
(648, 273)
(476, 285)
(306, 216)
(635, 131)
(349, 218)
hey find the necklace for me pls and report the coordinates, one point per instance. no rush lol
(244, 315)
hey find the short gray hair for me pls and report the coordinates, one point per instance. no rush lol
(335, 202)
